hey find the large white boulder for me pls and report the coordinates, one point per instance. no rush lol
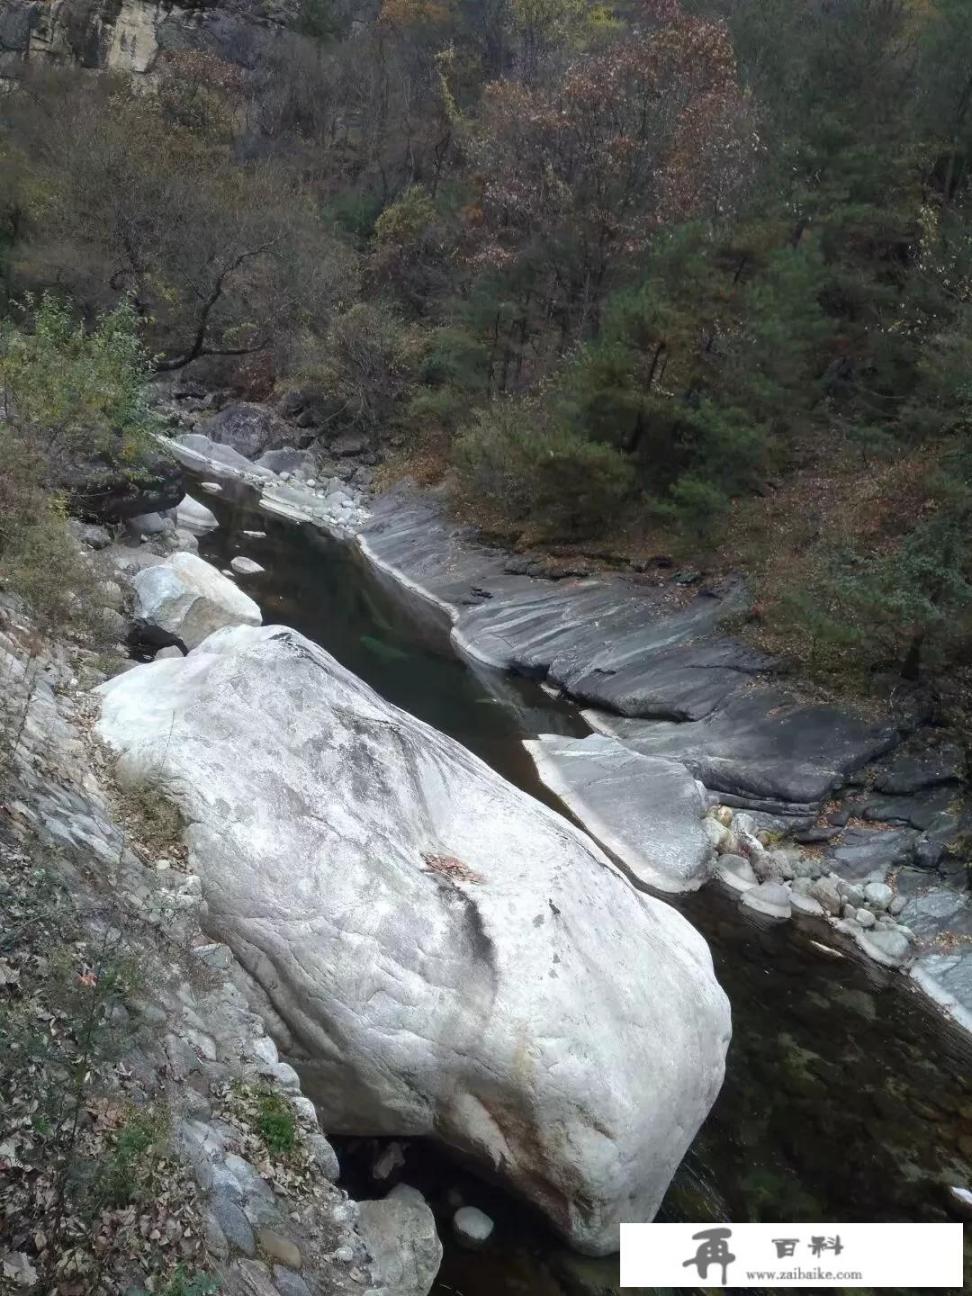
(440, 954)
(191, 599)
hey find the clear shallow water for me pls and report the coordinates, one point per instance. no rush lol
(846, 1096)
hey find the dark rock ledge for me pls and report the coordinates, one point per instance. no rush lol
(874, 801)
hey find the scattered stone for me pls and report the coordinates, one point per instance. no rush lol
(323, 1156)
(736, 871)
(234, 1224)
(825, 890)
(865, 917)
(878, 895)
(348, 445)
(744, 825)
(195, 517)
(215, 1237)
(766, 865)
(888, 945)
(189, 598)
(149, 524)
(962, 1198)
(770, 898)
(90, 535)
(245, 566)
(400, 1233)
(806, 904)
(279, 1248)
(473, 1228)
(852, 893)
(289, 1283)
(390, 1159)
(284, 460)
(250, 1278)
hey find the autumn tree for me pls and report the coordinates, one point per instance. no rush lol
(579, 178)
(219, 258)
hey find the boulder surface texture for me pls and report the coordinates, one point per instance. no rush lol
(441, 954)
(191, 599)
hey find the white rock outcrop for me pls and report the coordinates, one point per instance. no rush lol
(441, 954)
(648, 811)
(191, 599)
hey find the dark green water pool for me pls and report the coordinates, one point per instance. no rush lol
(847, 1097)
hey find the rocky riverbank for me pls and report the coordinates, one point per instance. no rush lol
(685, 717)
(242, 1191)
(425, 977)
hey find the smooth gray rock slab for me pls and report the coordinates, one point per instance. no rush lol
(646, 811)
(621, 647)
(907, 773)
(863, 851)
(936, 910)
(806, 904)
(947, 978)
(608, 640)
(192, 448)
(764, 745)
(919, 809)
(443, 955)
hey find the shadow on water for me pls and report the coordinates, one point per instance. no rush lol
(847, 1097)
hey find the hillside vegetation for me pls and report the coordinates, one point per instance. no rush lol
(648, 278)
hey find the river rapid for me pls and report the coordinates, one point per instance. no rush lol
(847, 1096)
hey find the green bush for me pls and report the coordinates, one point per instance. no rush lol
(132, 1166)
(66, 390)
(530, 474)
(65, 395)
(364, 368)
(276, 1123)
(698, 507)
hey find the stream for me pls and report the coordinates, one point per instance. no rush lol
(847, 1096)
